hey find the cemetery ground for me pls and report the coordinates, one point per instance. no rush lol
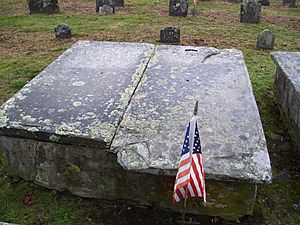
(28, 45)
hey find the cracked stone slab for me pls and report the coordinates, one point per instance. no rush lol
(80, 97)
(150, 135)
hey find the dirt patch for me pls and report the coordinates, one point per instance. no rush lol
(288, 22)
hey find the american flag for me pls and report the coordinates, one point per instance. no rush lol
(190, 176)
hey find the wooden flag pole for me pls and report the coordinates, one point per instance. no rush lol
(196, 108)
(185, 197)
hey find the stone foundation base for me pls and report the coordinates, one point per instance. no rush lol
(95, 173)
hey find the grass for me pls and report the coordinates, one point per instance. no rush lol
(27, 45)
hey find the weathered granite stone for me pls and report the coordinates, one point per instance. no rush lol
(265, 40)
(119, 2)
(234, 145)
(36, 6)
(80, 98)
(264, 2)
(170, 35)
(290, 3)
(20, 154)
(88, 172)
(287, 89)
(178, 7)
(104, 127)
(250, 11)
(62, 31)
(105, 7)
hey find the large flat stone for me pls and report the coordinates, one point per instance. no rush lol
(79, 98)
(151, 133)
(287, 89)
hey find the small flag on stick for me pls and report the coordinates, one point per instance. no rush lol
(190, 176)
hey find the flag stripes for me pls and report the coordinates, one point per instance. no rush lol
(190, 176)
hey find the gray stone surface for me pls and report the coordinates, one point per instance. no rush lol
(170, 35)
(265, 40)
(62, 31)
(79, 98)
(150, 135)
(105, 7)
(36, 6)
(250, 11)
(287, 89)
(178, 7)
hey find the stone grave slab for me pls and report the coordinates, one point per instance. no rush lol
(287, 89)
(230, 126)
(80, 97)
(112, 116)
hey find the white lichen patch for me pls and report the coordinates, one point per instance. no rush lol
(69, 129)
(100, 129)
(54, 138)
(32, 129)
(28, 119)
(78, 83)
(3, 118)
(77, 103)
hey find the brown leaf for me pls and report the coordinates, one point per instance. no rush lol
(28, 199)
(89, 219)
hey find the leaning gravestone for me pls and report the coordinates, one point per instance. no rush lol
(170, 35)
(250, 11)
(265, 40)
(36, 6)
(287, 89)
(105, 7)
(62, 31)
(178, 7)
(104, 127)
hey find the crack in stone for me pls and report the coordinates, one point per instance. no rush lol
(151, 54)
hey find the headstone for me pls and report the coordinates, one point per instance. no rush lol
(250, 11)
(178, 7)
(113, 116)
(264, 2)
(119, 2)
(49, 6)
(170, 35)
(265, 40)
(290, 3)
(105, 7)
(62, 31)
(287, 89)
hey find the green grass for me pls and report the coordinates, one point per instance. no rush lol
(27, 45)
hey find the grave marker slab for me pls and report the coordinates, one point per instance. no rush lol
(62, 31)
(265, 40)
(287, 89)
(250, 11)
(178, 7)
(170, 35)
(37, 6)
(107, 120)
